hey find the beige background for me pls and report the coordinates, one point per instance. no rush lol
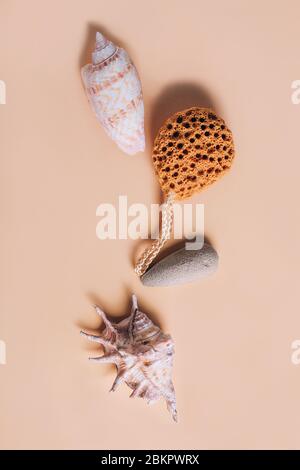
(236, 385)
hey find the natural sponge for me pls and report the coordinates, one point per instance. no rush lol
(192, 150)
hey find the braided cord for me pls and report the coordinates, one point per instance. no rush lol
(150, 253)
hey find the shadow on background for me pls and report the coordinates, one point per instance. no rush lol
(177, 97)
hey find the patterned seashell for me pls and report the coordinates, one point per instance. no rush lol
(181, 267)
(142, 353)
(114, 91)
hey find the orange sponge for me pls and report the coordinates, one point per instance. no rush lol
(192, 150)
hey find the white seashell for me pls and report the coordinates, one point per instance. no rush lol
(114, 91)
(142, 353)
(182, 266)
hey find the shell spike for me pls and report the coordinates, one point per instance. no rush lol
(134, 307)
(138, 391)
(107, 323)
(118, 380)
(174, 414)
(100, 40)
(105, 359)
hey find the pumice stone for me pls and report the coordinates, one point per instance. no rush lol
(181, 267)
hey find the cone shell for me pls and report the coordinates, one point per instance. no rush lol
(114, 91)
(143, 356)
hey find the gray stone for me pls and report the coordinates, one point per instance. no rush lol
(182, 266)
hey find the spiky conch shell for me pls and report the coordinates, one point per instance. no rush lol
(114, 91)
(143, 355)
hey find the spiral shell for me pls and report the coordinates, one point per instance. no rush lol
(143, 355)
(114, 91)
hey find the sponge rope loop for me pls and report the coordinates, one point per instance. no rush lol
(167, 223)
